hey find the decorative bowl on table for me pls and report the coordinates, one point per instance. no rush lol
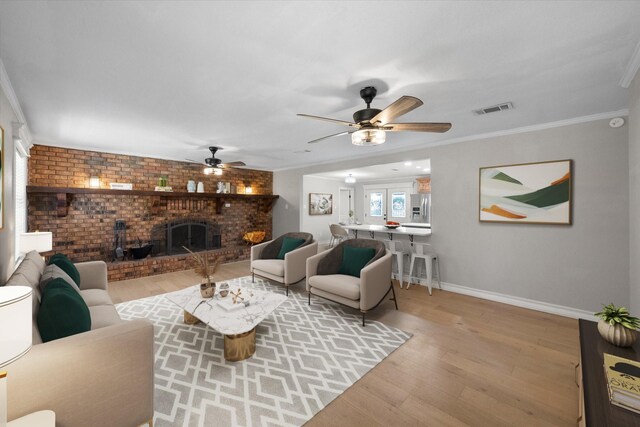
(392, 227)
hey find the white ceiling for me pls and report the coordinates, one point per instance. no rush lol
(167, 79)
(407, 169)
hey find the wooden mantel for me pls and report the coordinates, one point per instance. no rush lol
(65, 195)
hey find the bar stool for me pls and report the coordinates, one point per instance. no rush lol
(424, 251)
(398, 253)
(338, 234)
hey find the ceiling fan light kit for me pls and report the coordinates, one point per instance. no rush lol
(371, 124)
(350, 179)
(368, 137)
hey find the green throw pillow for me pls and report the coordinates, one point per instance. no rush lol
(67, 266)
(63, 312)
(289, 244)
(354, 259)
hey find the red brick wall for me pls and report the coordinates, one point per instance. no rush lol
(86, 233)
(64, 167)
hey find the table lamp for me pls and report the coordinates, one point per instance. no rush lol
(15, 333)
(39, 241)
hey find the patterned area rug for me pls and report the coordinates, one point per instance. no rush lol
(306, 356)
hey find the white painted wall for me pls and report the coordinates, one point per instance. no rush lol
(634, 195)
(7, 249)
(318, 225)
(579, 266)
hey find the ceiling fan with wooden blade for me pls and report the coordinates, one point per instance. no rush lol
(371, 123)
(214, 163)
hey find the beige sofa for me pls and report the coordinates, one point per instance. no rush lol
(287, 271)
(103, 377)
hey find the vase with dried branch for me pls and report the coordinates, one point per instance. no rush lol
(205, 268)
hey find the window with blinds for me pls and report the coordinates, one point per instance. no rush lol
(20, 169)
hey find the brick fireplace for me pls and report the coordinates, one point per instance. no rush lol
(84, 228)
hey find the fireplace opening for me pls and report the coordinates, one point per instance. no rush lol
(195, 234)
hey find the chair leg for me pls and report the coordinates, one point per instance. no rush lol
(363, 314)
(287, 292)
(395, 299)
(413, 260)
(438, 271)
(400, 258)
(309, 294)
(253, 277)
(429, 266)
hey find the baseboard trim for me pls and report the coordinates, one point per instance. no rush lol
(545, 307)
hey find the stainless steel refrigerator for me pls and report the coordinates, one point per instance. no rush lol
(421, 208)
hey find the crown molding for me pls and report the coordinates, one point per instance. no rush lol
(632, 68)
(525, 129)
(5, 85)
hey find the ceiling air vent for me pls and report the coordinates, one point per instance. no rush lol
(494, 108)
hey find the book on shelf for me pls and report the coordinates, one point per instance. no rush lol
(623, 381)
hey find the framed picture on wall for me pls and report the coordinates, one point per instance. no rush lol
(320, 204)
(529, 193)
(1, 178)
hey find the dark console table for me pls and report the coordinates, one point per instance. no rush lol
(595, 408)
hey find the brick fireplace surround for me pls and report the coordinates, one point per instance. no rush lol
(86, 231)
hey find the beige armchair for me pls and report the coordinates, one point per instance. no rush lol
(363, 293)
(288, 271)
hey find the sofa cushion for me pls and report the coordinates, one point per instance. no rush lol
(338, 284)
(54, 272)
(94, 297)
(104, 315)
(354, 259)
(330, 263)
(272, 249)
(63, 312)
(289, 244)
(35, 259)
(30, 271)
(62, 261)
(271, 266)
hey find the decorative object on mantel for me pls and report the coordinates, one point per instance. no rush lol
(94, 182)
(529, 193)
(220, 188)
(254, 237)
(163, 182)
(140, 250)
(617, 326)
(191, 186)
(200, 188)
(121, 186)
(165, 189)
(205, 269)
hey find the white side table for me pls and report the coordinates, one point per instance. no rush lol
(36, 419)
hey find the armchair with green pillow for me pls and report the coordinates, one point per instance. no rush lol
(86, 364)
(356, 273)
(283, 259)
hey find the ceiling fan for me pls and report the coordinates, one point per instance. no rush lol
(371, 124)
(215, 165)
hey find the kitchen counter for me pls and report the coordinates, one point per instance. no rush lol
(404, 231)
(416, 224)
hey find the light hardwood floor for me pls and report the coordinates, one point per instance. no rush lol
(469, 362)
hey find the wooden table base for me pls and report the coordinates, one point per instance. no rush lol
(190, 319)
(240, 347)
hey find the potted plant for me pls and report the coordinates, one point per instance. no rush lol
(617, 326)
(205, 269)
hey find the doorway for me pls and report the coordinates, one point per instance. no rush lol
(345, 204)
(384, 203)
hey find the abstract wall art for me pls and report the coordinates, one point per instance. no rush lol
(529, 193)
(320, 204)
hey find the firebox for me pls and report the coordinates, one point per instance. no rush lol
(193, 233)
